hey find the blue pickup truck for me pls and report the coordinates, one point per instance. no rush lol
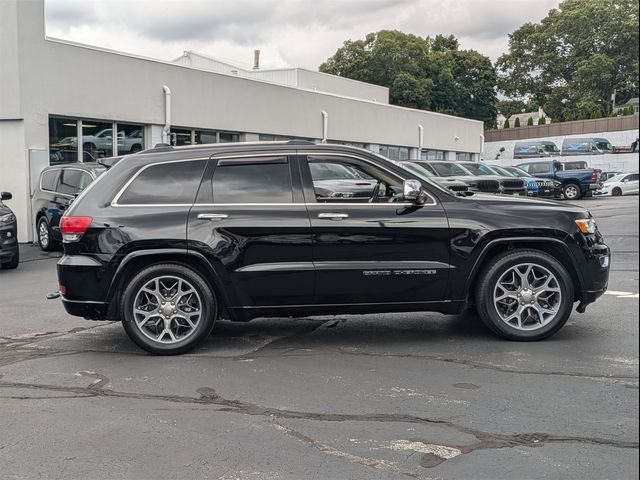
(576, 183)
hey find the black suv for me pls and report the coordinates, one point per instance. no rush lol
(9, 253)
(57, 187)
(170, 239)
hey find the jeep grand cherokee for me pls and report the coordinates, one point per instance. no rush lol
(171, 239)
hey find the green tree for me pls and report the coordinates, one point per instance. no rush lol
(424, 73)
(506, 124)
(530, 122)
(575, 58)
(542, 120)
(516, 124)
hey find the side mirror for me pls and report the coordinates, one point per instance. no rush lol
(412, 191)
(5, 196)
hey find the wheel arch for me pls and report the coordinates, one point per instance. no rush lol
(135, 261)
(551, 246)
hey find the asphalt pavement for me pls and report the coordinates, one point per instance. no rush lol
(347, 397)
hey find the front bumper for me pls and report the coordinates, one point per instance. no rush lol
(8, 242)
(595, 271)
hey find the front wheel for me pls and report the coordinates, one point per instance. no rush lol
(45, 236)
(616, 192)
(525, 295)
(572, 191)
(168, 309)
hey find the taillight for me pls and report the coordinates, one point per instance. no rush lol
(594, 177)
(73, 228)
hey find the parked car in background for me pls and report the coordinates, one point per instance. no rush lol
(575, 183)
(454, 171)
(623, 184)
(586, 146)
(9, 252)
(56, 188)
(604, 176)
(179, 238)
(544, 184)
(446, 182)
(335, 180)
(534, 149)
(508, 185)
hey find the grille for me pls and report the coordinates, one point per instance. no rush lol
(488, 186)
(513, 184)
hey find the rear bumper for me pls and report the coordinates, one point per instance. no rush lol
(87, 309)
(595, 186)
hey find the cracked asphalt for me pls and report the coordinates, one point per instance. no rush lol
(360, 397)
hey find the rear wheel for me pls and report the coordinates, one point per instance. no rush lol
(45, 237)
(616, 192)
(525, 295)
(168, 309)
(572, 191)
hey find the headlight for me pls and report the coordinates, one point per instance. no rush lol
(7, 218)
(587, 225)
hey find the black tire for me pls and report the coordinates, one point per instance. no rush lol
(13, 263)
(136, 148)
(490, 276)
(46, 241)
(202, 329)
(616, 192)
(571, 191)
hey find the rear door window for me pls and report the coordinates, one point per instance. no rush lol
(252, 180)
(538, 168)
(173, 183)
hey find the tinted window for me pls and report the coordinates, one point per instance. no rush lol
(450, 170)
(69, 181)
(261, 182)
(168, 183)
(538, 168)
(633, 177)
(48, 181)
(478, 169)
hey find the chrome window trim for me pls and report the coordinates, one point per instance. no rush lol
(262, 205)
(114, 201)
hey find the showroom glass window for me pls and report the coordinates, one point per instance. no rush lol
(432, 155)
(182, 136)
(130, 138)
(464, 157)
(203, 137)
(97, 140)
(63, 141)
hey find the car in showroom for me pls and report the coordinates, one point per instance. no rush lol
(57, 187)
(9, 252)
(622, 184)
(169, 240)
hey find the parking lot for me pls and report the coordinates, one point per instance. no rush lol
(380, 396)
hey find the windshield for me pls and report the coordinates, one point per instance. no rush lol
(503, 171)
(331, 171)
(517, 172)
(616, 178)
(478, 169)
(417, 169)
(550, 147)
(603, 144)
(450, 170)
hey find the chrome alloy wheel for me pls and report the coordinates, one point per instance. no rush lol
(43, 234)
(167, 309)
(527, 296)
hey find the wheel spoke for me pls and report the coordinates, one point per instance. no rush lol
(167, 309)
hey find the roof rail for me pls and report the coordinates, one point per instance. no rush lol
(300, 142)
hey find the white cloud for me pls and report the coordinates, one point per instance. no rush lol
(289, 32)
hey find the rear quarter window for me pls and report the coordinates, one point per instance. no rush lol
(48, 180)
(165, 184)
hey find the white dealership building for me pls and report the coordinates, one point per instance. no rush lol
(54, 92)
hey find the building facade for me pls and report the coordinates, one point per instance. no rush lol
(65, 102)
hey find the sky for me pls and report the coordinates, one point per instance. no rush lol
(301, 33)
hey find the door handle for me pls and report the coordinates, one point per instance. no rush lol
(212, 216)
(333, 216)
